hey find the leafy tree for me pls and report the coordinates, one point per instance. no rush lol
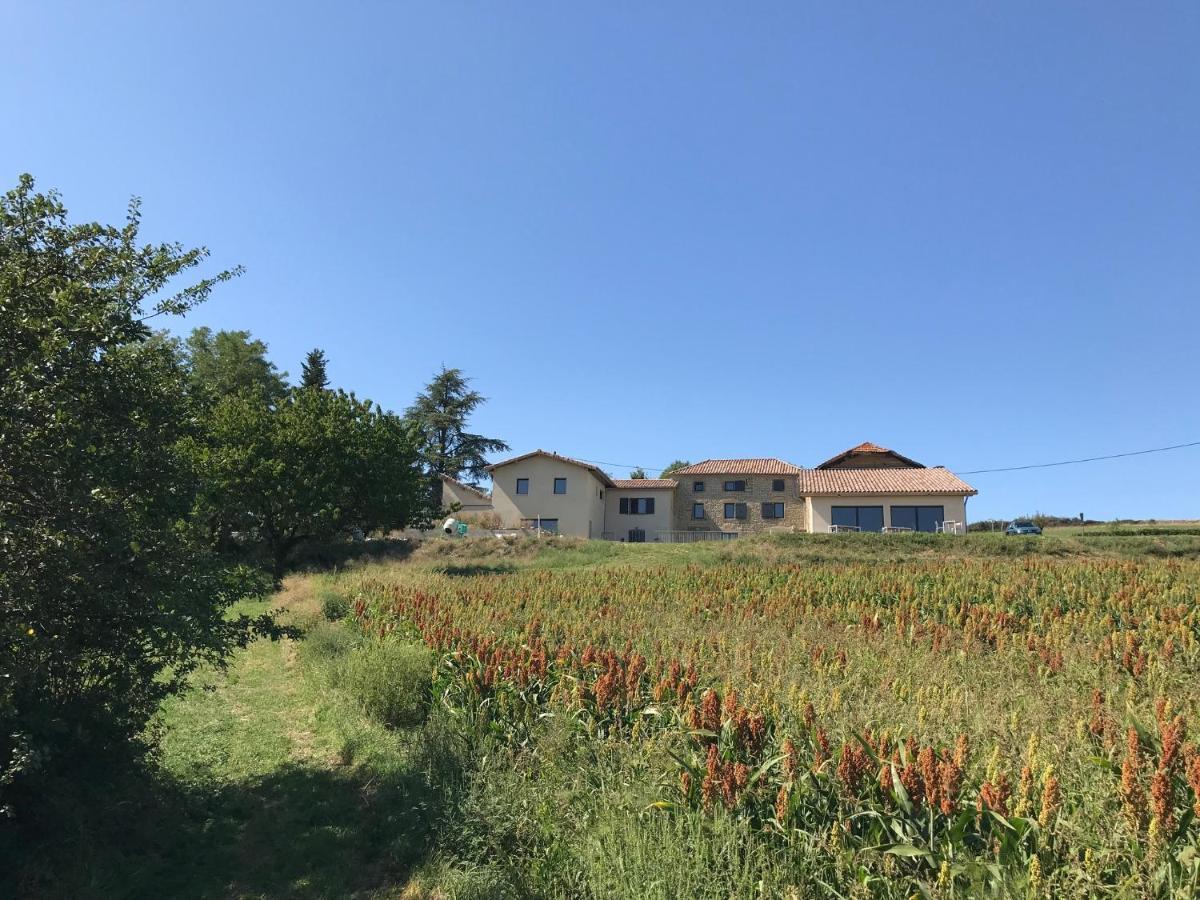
(106, 600)
(230, 362)
(318, 465)
(440, 416)
(638, 473)
(314, 374)
(678, 464)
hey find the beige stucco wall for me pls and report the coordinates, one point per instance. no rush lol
(955, 507)
(758, 490)
(470, 501)
(617, 526)
(580, 511)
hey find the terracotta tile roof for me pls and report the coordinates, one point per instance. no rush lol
(646, 484)
(883, 481)
(470, 488)
(759, 466)
(595, 470)
(868, 447)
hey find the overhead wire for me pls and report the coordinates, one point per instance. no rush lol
(1021, 468)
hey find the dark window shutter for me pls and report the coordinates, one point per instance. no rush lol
(741, 510)
(650, 506)
(768, 510)
(624, 506)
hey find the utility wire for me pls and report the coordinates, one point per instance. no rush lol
(1049, 465)
(1071, 462)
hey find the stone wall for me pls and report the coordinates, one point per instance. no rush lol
(759, 490)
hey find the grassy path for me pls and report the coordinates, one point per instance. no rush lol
(269, 784)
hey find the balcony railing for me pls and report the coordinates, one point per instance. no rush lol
(695, 537)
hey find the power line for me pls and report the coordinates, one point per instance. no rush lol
(1086, 459)
(1049, 465)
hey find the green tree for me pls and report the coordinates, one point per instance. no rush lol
(678, 464)
(230, 362)
(106, 600)
(319, 465)
(638, 473)
(314, 374)
(440, 415)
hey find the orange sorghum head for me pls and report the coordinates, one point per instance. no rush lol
(950, 777)
(1172, 741)
(782, 801)
(995, 795)
(820, 748)
(962, 749)
(1133, 798)
(927, 764)
(910, 777)
(791, 759)
(1051, 801)
(1162, 799)
(1192, 772)
(710, 711)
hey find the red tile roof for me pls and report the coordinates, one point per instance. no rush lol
(759, 466)
(868, 447)
(646, 484)
(595, 470)
(883, 481)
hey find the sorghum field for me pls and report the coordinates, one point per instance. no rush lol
(1008, 725)
(806, 716)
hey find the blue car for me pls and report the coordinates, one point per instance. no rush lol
(1022, 527)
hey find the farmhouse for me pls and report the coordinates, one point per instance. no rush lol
(865, 488)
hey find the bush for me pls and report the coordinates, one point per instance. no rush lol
(391, 681)
(109, 594)
(329, 642)
(334, 604)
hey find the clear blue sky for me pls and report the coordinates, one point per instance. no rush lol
(967, 231)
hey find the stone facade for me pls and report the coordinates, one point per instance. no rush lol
(760, 489)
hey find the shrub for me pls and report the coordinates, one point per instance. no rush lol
(334, 604)
(328, 642)
(109, 597)
(391, 681)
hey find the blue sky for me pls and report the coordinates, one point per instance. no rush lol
(967, 231)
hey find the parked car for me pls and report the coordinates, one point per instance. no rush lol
(1022, 527)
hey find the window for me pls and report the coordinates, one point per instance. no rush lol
(636, 506)
(735, 485)
(697, 487)
(550, 525)
(772, 510)
(560, 485)
(864, 518)
(522, 485)
(697, 510)
(777, 484)
(735, 510)
(918, 518)
(637, 535)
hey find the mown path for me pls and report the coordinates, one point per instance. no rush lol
(270, 784)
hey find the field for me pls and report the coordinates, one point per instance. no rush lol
(836, 716)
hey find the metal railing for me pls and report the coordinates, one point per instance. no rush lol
(694, 537)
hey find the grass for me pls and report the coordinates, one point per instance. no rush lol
(272, 781)
(269, 783)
